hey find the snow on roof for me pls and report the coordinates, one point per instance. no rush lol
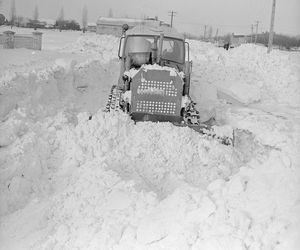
(91, 24)
(129, 21)
(116, 20)
(154, 31)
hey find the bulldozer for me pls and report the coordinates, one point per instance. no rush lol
(155, 79)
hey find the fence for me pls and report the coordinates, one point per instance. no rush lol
(10, 40)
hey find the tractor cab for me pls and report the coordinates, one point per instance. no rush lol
(160, 45)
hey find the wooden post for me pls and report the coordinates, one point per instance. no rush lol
(172, 14)
(256, 31)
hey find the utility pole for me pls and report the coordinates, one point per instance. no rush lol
(251, 33)
(204, 35)
(271, 34)
(256, 30)
(172, 14)
(216, 36)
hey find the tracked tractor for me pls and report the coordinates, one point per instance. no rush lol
(154, 82)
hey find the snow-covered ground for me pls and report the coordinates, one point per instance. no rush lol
(71, 182)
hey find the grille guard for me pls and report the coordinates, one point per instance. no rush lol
(157, 93)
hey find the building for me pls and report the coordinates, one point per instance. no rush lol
(113, 26)
(41, 23)
(49, 23)
(91, 27)
(237, 40)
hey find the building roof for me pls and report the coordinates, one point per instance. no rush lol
(155, 31)
(91, 24)
(116, 21)
(130, 21)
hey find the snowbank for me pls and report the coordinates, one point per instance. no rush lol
(248, 74)
(108, 183)
(65, 83)
(104, 47)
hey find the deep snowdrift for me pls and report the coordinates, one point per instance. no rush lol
(249, 74)
(69, 181)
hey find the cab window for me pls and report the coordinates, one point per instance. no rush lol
(173, 50)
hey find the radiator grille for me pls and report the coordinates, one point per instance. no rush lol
(156, 107)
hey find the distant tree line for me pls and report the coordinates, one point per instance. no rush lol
(2, 19)
(282, 41)
(20, 21)
(279, 40)
(67, 25)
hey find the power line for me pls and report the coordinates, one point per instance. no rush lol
(204, 35)
(172, 14)
(256, 31)
(216, 36)
(251, 33)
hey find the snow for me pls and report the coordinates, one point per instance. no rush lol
(248, 74)
(117, 20)
(173, 72)
(69, 180)
(185, 101)
(131, 73)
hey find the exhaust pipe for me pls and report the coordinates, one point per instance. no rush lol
(161, 38)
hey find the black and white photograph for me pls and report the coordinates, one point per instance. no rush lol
(149, 125)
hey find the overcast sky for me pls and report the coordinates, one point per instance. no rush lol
(226, 15)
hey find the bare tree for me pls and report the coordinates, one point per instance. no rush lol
(20, 21)
(13, 14)
(2, 19)
(84, 18)
(61, 15)
(210, 31)
(61, 18)
(36, 13)
(35, 16)
(110, 12)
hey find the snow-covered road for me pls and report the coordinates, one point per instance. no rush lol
(70, 182)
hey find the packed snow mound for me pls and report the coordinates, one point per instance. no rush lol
(248, 73)
(69, 141)
(106, 182)
(102, 46)
(64, 84)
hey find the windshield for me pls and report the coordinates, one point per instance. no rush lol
(138, 44)
(173, 50)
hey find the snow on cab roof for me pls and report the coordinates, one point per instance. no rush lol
(154, 31)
